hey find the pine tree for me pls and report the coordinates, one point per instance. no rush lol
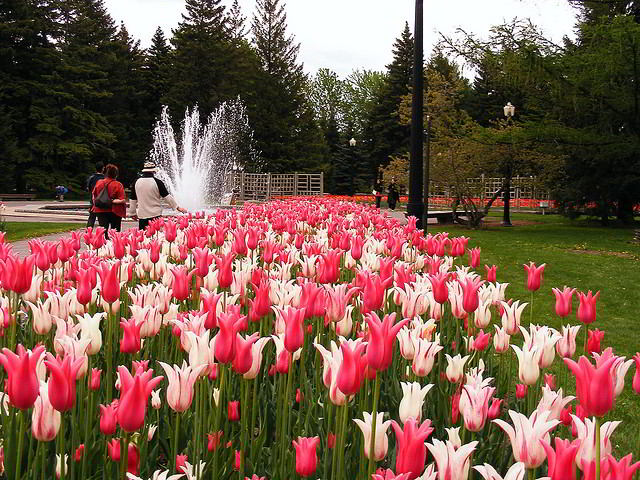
(157, 65)
(200, 59)
(285, 129)
(237, 22)
(385, 133)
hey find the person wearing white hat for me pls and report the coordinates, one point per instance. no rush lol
(149, 197)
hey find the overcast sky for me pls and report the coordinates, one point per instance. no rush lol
(346, 34)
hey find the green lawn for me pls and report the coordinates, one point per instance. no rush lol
(20, 230)
(579, 254)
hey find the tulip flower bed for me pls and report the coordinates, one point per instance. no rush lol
(313, 339)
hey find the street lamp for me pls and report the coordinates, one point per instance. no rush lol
(415, 206)
(352, 142)
(509, 112)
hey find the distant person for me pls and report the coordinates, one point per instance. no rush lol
(394, 196)
(61, 190)
(109, 210)
(149, 197)
(91, 183)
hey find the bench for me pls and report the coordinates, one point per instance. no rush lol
(543, 206)
(17, 196)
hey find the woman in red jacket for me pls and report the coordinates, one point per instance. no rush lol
(110, 217)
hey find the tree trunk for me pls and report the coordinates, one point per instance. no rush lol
(624, 211)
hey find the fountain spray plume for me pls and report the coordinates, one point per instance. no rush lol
(198, 171)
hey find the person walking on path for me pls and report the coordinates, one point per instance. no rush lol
(149, 196)
(91, 183)
(110, 217)
(393, 195)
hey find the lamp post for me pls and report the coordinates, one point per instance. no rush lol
(509, 112)
(415, 207)
(352, 145)
(426, 182)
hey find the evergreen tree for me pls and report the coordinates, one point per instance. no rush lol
(200, 59)
(386, 134)
(157, 66)
(237, 22)
(285, 129)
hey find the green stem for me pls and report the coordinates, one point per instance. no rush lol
(531, 310)
(63, 469)
(374, 417)
(254, 412)
(20, 440)
(88, 413)
(243, 443)
(597, 448)
(285, 417)
(216, 454)
(341, 467)
(43, 447)
(176, 436)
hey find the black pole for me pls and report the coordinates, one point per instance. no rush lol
(506, 198)
(426, 176)
(415, 207)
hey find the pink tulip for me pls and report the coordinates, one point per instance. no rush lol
(294, 333)
(109, 418)
(225, 347)
(382, 338)
(306, 458)
(563, 300)
(566, 346)
(45, 420)
(349, 375)
(110, 288)
(243, 359)
(411, 452)
(85, 280)
(470, 299)
(439, 287)
(521, 390)
(203, 259)
(181, 382)
(389, 475)
(209, 305)
(622, 470)
(474, 406)
(561, 460)
(474, 260)
(239, 244)
(134, 396)
(424, 356)
(39, 252)
(594, 385)
(587, 309)
(482, 341)
(491, 273)
(17, 274)
(636, 376)
(373, 293)
(130, 342)
(170, 230)
(593, 343)
(225, 271)
(94, 379)
(62, 384)
(22, 385)
(181, 282)
(525, 436)
(260, 306)
(494, 409)
(534, 276)
(452, 462)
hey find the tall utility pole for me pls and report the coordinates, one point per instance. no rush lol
(415, 207)
(426, 175)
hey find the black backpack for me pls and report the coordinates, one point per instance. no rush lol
(103, 200)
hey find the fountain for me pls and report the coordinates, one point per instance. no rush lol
(197, 172)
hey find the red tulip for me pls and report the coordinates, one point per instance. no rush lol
(109, 418)
(170, 230)
(181, 461)
(239, 244)
(331, 440)
(455, 407)
(482, 341)
(17, 274)
(130, 342)
(225, 271)
(203, 259)
(134, 396)
(470, 299)
(299, 396)
(622, 470)
(349, 375)
(534, 276)
(594, 385)
(181, 282)
(328, 269)
(521, 390)
(593, 343)
(306, 458)
(133, 459)
(79, 452)
(565, 416)
(561, 460)
(85, 282)
(494, 409)
(94, 379)
(233, 411)
(411, 451)
(356, 247)
(39, 252)
(382, 338)
(474, 260)
(22, 385)
(213, 441)
(636, 377)
(243, 359)
(312, 299)
(563, 300)
(110, 288)
(261, 304)
(491, 273)
(439, 287)
(62, 384)
(226, 338)
(587, 309)
(113, 449)
(293, 333)
(550, 380)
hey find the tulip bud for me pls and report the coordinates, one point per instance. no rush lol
(299, 396)
(108, 422)
(156, 403)
(331, 440)
(214, 441)
(636, 377)
(565, 416)
(79, 452)
(233, 411)
(94, 379)
(550, 380)
(494, 410)
(181, 461)
(306, 457)
(593, 343)
(113, 449)
(455, 407)
(521, 390)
